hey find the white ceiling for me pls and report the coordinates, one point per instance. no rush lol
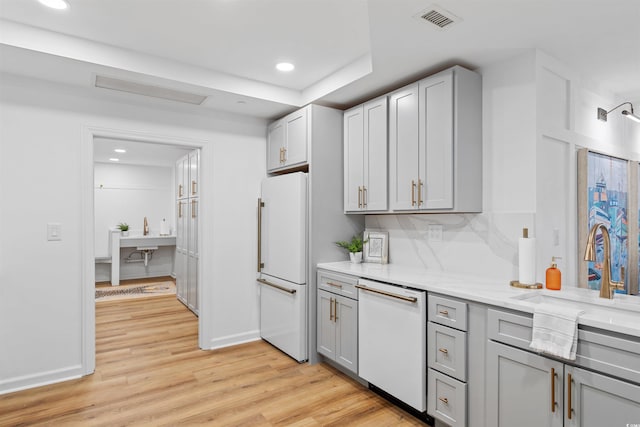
(137, 153)
(345, 51)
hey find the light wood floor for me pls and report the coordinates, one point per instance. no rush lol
(149, 371)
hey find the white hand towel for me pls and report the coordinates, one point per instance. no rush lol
(555, 330)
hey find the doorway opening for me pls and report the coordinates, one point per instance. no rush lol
(135, 222)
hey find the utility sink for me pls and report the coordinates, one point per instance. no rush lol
(583, 298)
(147, 241)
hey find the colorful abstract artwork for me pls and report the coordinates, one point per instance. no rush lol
(607, 186)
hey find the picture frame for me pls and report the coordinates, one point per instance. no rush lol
(376, 246)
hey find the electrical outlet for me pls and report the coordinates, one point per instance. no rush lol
(54, 231)
(435, 232)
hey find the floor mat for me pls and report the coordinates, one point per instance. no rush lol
(135, 291)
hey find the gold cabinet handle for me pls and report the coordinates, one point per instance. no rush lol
(413, 193)
(335, 310)
(443, 350)
(284, 155)
(443, 313)
(260, 206)
(364, 196)
(359, 197)
(193, 187)
(180, 190)
(193, 208)
(330, 309)
(419, 192)
(335, 285)
(444, 400)
(553, 390)
(179, 209)
(569, 409)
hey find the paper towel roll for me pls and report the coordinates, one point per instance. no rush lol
(164, 228)
(527, 260)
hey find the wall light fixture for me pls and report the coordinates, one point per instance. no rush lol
(602, 114)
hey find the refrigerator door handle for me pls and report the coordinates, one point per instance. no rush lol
(273, 285)
(260, 206)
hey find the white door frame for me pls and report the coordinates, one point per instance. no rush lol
(88, 308)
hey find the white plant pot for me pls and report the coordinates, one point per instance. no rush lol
(356, 257)
(125, 233)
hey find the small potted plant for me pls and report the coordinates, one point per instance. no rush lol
(354, 247)
(124, 228)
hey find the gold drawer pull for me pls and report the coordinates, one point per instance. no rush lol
(553, 390)
(443, 350)
(334, 285)
(443, 313)
(444, 400)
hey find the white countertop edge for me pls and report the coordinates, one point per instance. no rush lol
(484, 291)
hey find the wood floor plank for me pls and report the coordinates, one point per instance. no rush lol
(150, 371)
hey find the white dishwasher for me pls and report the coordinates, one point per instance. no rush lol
(392, 327)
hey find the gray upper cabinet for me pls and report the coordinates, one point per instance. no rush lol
(287, 141)
(435, 144)
(365, 157)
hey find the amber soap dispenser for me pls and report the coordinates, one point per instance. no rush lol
(553, 277)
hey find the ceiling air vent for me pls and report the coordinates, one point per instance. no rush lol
(437, 16)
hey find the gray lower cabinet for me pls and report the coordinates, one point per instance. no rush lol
(527, 389)
(521, 387)
(595, 400)
(338, 329)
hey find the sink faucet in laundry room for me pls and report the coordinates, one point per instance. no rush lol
(145, 232)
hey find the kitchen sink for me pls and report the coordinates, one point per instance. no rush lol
(584, 298)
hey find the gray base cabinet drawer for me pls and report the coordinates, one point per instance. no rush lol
(446, 399)
(615, 355)
(447, 350)
(448, 312)
(338, 283)
(510, 328)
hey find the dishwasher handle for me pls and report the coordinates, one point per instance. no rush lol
(388, 294)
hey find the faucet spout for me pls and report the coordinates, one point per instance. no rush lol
(607, 286)
(145, 232)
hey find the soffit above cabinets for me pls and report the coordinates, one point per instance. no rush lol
(344, 52)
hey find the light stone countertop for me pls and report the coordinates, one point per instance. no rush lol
(622, 314)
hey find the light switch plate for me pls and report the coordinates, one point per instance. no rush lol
(54, 231)
(435, 232)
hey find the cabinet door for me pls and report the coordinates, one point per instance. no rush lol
(296, 138)
(346, 318)
(520, 387)
(192, 283)
(375, 155)
(275, 143)
(598, 400)
(436, 141)
(181, 276)
(182, 226)
(182, 177)
(353, 158)
(403, 148)
(194, 171)
(192, 219)
(326, 325)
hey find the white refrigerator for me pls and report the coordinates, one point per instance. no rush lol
(282, 263)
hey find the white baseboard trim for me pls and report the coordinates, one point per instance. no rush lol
(36, 380)
(230, 340)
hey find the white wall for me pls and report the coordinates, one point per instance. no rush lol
(41, 284)
(129, 193)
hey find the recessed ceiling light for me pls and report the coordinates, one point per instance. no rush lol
(285, 66)
(120, 150)
(55, 4)
(113, 159)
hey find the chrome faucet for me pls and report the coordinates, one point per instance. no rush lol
(145, 232)
(607, 287)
